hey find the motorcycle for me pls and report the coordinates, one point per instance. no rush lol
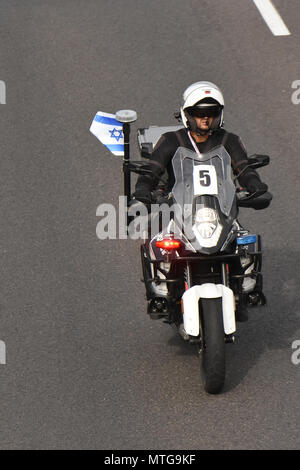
(200, 266)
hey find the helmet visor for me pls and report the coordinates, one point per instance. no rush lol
(207, 111)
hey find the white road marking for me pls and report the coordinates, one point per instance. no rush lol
(2, 92)
(272, 17)
(2, 353)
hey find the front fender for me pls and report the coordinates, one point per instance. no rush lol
(191, 299)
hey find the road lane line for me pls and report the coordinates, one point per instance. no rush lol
(2, 353)
(272, 17)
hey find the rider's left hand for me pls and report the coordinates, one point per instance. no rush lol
(256, 186)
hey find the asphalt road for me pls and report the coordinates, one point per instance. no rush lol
(86, 368)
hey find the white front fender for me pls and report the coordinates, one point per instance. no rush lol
(207, 291)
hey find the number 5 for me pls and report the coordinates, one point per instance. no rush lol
(204, 178)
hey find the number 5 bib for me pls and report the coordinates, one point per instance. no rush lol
(205, 180)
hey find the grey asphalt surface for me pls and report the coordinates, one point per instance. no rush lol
(86, 368)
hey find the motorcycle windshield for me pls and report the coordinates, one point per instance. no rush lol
(204, 181)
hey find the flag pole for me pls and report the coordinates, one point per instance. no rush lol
(127, 176)
(126, 116)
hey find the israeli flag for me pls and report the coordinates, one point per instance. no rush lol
(109, 131)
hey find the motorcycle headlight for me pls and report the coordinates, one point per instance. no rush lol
(207, 227)
(206, 221)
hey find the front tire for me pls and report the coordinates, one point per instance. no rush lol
(212, 354)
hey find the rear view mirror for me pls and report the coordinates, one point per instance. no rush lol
(258, 203)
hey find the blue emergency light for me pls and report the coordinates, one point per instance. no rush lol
(246, 239)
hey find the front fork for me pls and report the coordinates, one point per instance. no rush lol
(188, 275)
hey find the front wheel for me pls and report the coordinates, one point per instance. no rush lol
(212, 353)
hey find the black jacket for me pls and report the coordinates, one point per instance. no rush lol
(169, 142)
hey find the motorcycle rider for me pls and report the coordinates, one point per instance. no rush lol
(202, 116)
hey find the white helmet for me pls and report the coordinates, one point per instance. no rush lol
(202, 95)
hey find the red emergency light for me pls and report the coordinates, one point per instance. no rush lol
(168, 244)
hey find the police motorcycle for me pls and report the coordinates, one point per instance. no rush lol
(201, 266)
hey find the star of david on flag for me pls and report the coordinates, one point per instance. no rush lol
(109, 131)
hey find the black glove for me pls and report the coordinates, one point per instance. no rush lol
(256, 186)
(143, 196)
